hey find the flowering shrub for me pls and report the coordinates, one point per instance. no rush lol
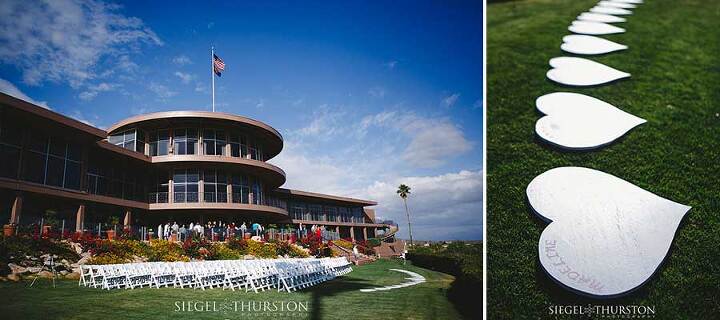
(197, 248)
(239, 245)
(163, 250)
(223, 252)
(121, 251)
(289, 250)
(343, 244)
(261, 250)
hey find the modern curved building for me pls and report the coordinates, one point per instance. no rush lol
(185, 166)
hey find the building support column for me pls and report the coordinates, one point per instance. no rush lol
(365, 233)
(229, 192)
(128, 218)
(80, 218)
(352, 233)
(16, 210)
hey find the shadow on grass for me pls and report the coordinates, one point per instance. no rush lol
(332, 288)
(464, 296)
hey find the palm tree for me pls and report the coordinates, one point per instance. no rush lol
(404, 191)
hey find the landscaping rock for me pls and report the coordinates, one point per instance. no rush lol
(45, 274)
(77, 247)
(13, 277)
(73, 276)
(64, 272)
(34, 269)
(16, 268)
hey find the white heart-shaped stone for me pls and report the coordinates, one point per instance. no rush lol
(606, 236)
(579, 122)
(594, 28)
(615, 4)
(599, 17)
(574, 71)
(610, 10)
(589, 45)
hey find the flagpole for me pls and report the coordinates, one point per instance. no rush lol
(212, 75)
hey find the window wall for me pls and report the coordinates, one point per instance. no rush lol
(185, 185)
(214, 142)
(215, 186)
(240, 188)
(10, 146)
(52, 161)
(159, 141)
(106, 178)
(130, 139)
(241, 146)
(257, 192)
(185, 141)
(318, 212)
(161, 188)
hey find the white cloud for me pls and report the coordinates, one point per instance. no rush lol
(79, 116)
(447, 206)
(184, 77)
(450, 100)
(377, 92)
(10, 89)
(201, 87)
(478, 104)
(181, 60)
(325, 123)
(93, 90)
(298, 102)
(161, 91)
(433, 142)
(390, 64)
(69, 41)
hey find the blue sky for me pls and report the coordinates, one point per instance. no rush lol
(366, 94)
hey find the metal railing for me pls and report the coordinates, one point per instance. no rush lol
(158, 197)
(180, 197)
(215, 197)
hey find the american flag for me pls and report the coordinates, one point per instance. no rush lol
(218, 65)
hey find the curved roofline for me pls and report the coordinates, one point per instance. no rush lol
(193, 114)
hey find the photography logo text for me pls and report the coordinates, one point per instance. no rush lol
(605, 311)
(244, 308)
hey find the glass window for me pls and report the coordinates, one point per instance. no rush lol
(330, 213)
(214, 142)
(185, 141)
(125, 139)
(55, 171)
(240, 189)
(159, 142)
(185, 184)
(215, 186)
(315, 212)
(298, 210)
(10, 141)
(257, 192)
(234, 140)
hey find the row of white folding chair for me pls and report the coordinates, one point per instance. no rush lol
(249, 274)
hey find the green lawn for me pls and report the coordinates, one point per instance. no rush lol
(337, 299)
(674, 59)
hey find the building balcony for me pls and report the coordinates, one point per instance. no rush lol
(271, 175)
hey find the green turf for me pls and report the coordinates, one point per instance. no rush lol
(336, 299)
(674, 59)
